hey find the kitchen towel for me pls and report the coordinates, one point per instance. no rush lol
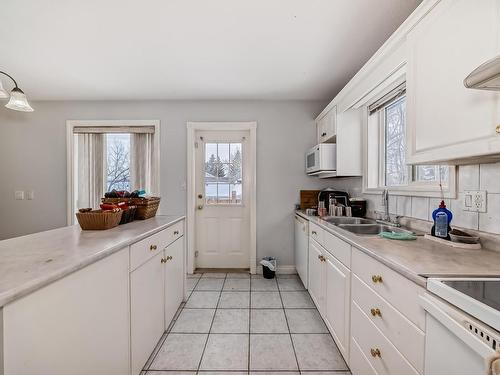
(493, 363)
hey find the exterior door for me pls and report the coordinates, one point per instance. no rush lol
(223, 177)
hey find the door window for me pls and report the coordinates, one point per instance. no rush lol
(223, 177)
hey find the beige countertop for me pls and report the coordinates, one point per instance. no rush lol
(421, 258)
(30, 262)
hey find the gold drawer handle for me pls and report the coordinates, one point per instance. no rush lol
(152, 247)
(497, 129)
(377, 279)
(176, 232)
(375, 352)
(376, 312)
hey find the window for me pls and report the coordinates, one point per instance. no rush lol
(223, 178)
(111, 157)
(386, 150)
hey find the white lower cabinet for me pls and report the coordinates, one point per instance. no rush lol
(329, 287)
(156, 291)
(337, 302)
(77, 325)
(146, 310)
(174, 279)
(316, 274)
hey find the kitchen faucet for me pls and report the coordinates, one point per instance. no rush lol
(386, 219)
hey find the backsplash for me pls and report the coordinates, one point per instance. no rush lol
(470, 177)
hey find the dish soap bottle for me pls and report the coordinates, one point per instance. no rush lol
(442, 218)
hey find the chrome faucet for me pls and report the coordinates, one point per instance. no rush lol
(386, 218)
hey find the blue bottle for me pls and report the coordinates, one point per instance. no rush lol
(442, 218)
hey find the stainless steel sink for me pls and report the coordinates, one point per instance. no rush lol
(371, 229)
(340, 220)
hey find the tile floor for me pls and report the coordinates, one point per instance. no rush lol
(236, 324)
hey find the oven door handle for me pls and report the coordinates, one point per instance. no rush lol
(441, 312)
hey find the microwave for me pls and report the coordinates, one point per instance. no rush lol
(322, 157)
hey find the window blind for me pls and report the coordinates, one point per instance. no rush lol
(113, 129)
(390, 96)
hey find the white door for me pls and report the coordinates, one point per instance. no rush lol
(337, 305)
(223, 173)
(174, 278)
(316, 274)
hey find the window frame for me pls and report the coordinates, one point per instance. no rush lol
(414, 188)
(70, 148)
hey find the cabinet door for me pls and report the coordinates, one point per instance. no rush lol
(77, 325)
(146, 310)
(174, 278)
(447, 121)
(337, 302)
(316, 274)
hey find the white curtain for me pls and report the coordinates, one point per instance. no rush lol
(91, 167)
(143, 166)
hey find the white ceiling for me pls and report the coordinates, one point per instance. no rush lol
(191, 49)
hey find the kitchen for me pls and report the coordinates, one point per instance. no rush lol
(361, 287)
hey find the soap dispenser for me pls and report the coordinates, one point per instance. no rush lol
(442, 218)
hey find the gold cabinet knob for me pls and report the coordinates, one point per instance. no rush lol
(497, 129)
(314, 232)
(375, 352)
(152, 247)
(321, 258)
(200, 207)
(170, 257)
(176, 232)
(377, 278)
(376, 312)
(163, 260)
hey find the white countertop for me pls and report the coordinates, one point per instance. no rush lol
(30, 262)
(421, 258)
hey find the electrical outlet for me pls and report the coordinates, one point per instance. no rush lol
(30, 195)
(474, 200)
(19, 195)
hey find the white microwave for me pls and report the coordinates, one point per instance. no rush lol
(322, 157)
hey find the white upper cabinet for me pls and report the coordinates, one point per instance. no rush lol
(446, 121)
(326, 126)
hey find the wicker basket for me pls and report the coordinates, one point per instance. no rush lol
(98, 219)
(145, 207)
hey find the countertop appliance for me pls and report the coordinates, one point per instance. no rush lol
(462, 325)
(341, 197)
(302, 248)
(321, 158)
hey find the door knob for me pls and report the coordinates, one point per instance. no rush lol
(200, 207)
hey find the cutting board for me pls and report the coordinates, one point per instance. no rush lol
(308, 199)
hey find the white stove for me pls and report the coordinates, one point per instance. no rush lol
(462, 324)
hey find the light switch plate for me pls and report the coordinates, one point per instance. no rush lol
(474, 200)
(19, 195)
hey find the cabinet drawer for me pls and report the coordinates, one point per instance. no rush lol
(409, 339)
(338, 248)
(371, 341)
(395, 288)
(358, 363)
(316, 233)
(145, 249)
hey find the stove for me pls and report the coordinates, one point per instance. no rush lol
(479, 297)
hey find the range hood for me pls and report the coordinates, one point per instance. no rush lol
(485, 77)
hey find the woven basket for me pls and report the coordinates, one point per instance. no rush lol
(145, 207)
(128, 215)
(98, 219)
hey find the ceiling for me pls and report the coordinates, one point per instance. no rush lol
(192, 49)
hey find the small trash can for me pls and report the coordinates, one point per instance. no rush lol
(268, 267)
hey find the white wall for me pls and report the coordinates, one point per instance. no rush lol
(33, 156)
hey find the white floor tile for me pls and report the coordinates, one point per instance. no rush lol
(297, 300)
(226, 352)
(234, 300)
(231, 321)
(272, 352)
(180, 352)
(194, 321)
(209, 284)
(305, 321)
(201, 300)
(237, 285)
(268, 321)
(317, 352)
(265, 300)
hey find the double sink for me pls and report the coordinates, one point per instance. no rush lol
(361, 226)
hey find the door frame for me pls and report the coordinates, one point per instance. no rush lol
(192, 127)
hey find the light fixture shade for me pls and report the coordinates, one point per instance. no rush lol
(3, 93)
(18, 101)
